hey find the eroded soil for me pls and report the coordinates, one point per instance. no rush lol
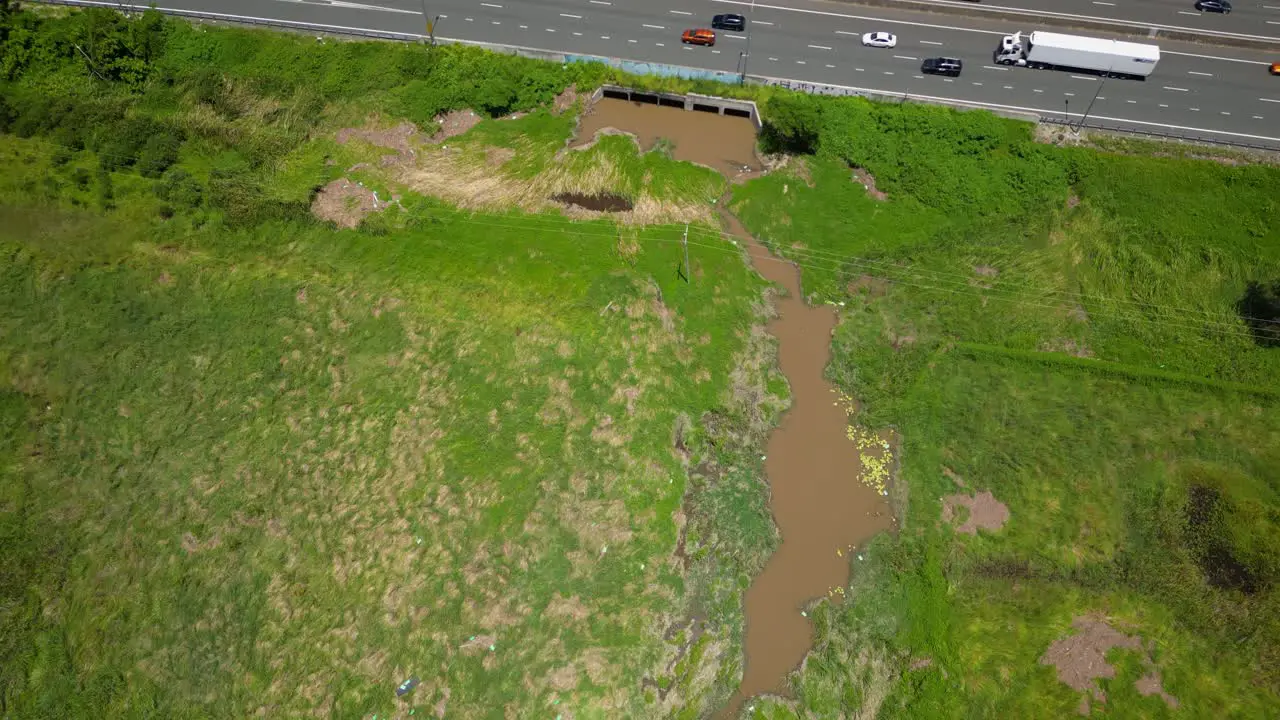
(1081, 660)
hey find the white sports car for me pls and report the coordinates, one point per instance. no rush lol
(880, 40)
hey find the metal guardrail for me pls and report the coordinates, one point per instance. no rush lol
(798, 85)
(1146, 132)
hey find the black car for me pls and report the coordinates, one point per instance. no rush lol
(1218, 6)
(737, 23)
(941, 66)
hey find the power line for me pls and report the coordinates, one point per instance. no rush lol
(822, 261)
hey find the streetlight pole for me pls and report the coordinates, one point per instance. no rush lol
(747, 53)
(1096, 93)
(431, 24)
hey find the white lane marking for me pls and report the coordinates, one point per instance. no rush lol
(888, 72)
(993, 67)
(1184, 12)
(1163, 105)
(524, 27)
(1272, 7)
(918, 77)
(577, 34)
(679, 12)
(497, 22)
(978, 84)
(1099, 2)
(570, 15)
(1176, 89)
(905, 57)
(948, 80)
(713, 52)
(800, 62)
(1039, 91)
(859, 69)
(490, 5)
(1257, 117)
(1195, 109)
(599, 2)
(469, 19)
(1223, 112)
(929, 42)
(736, 37)
(1101, 98)
(761, 22)
(1214, 57)
(1083, 77)
(1193, 72)
(833, 67)
(686, 47)
(1132, 102)
(1071, 16)
(604, 37)
(774, 59)
(1008, 87)
(655, 27)
(663, 45)
(846, 32)
(550, 30)
(1273, 22)
(819, 47)
(1069, 94)
(1269, 100)
(632, 41)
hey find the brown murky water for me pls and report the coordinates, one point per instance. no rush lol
(818, 498)
(726, 144)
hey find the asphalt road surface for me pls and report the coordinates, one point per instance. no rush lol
(1247, 17)
(1212, 92)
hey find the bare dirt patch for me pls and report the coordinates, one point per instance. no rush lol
(1069, 346)
(985, 512)
(566, 607)
(598, 202)
(563, 679)
(985, 271)
(869, 285)
(1081, 659)
(478, 644)
(565, 100)
(864, 178)
(403, 138)
(344, 203)
(454, 123)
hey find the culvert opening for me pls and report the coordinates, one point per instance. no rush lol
(616, 94)
(600, 202)
(643, 98)
(706, 108)
(669, 102)
(737, 113)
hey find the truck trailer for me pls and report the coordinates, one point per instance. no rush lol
(1056, 51)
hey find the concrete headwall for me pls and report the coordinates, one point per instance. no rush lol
(693, 102)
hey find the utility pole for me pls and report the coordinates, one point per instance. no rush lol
(687, 272)
(747, 53)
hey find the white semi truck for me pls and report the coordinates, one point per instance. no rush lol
(1056, 51)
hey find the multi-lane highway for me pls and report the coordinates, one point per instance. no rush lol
(1214, 92)
(1247, 17)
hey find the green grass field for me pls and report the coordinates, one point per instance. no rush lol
(1087, 366)
(251, 463)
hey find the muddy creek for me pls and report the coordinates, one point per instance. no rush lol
(818, 500)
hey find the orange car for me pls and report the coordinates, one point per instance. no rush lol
(1275, 68)
(700, 36)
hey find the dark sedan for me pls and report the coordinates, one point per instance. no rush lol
(735, 23)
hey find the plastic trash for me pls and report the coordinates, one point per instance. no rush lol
(407, 686)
